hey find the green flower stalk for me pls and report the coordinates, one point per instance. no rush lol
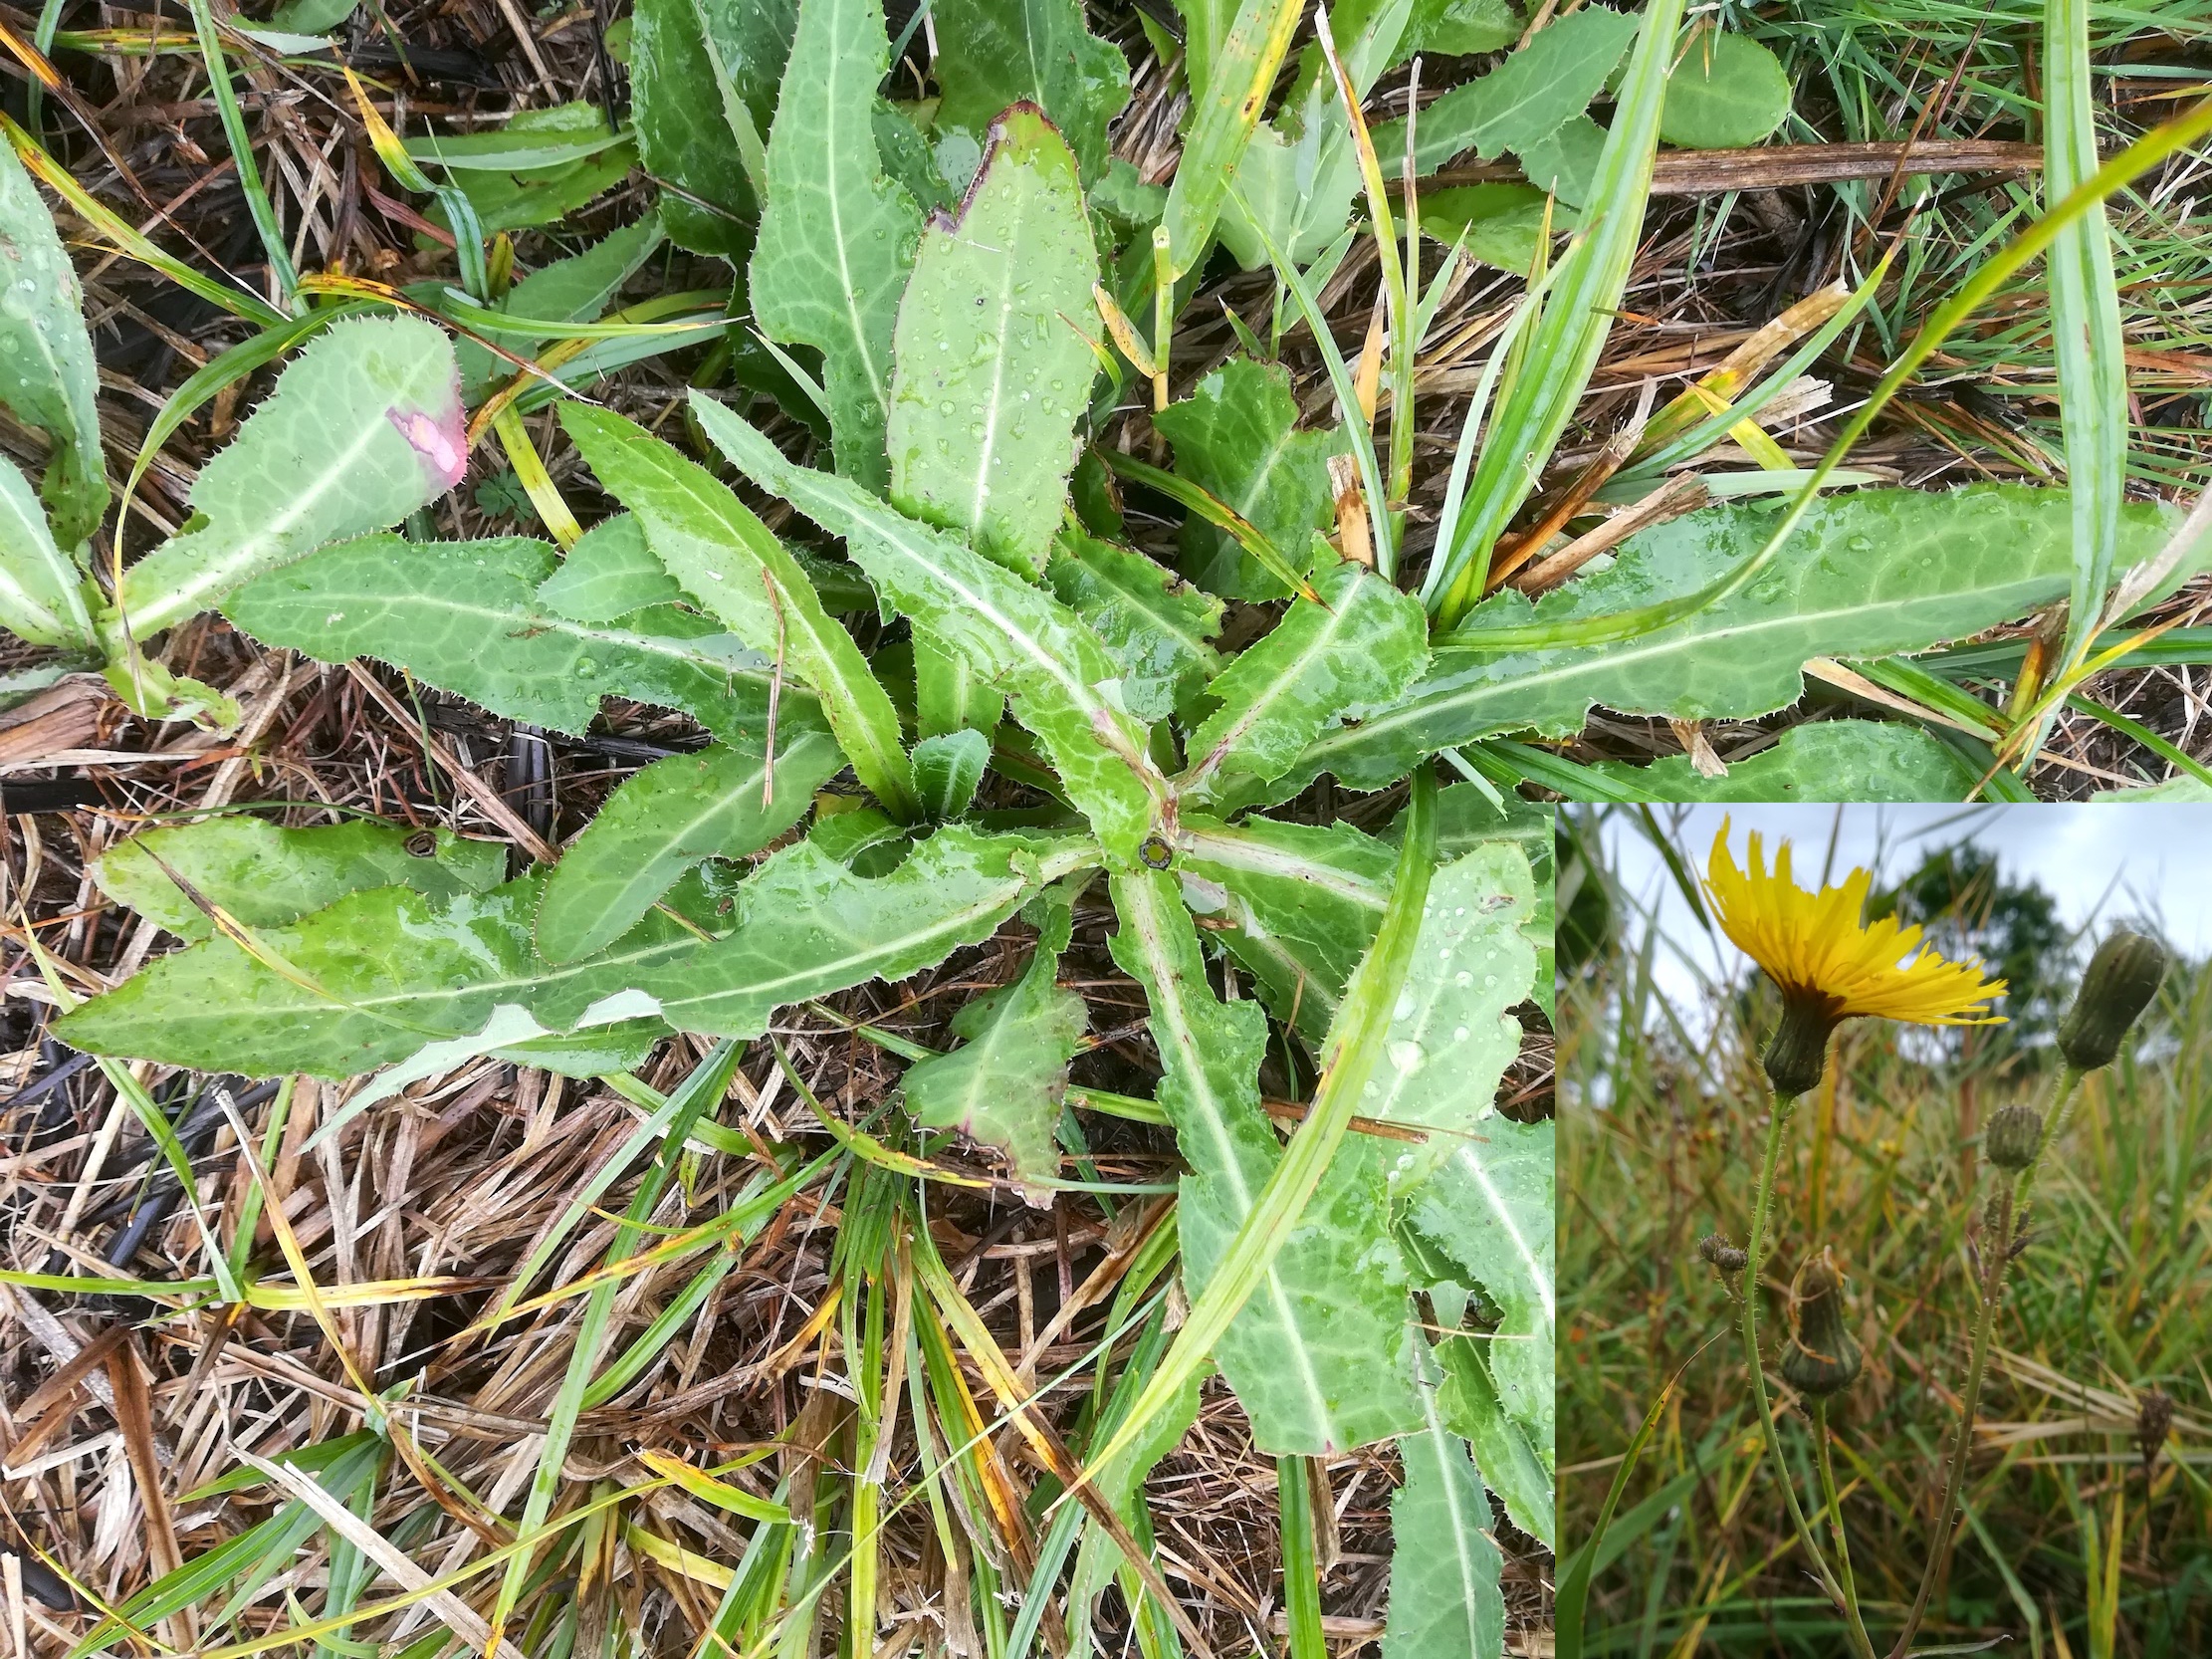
(2123, 978)
(1830, 965)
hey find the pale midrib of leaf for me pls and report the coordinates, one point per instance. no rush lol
(879, 381)
(994, 407)
(1053, 865)
(1439, 1443)
(1660, 642)
(1226, 741)
(1277, 453)
(664, 646)
(1139, 905)
(196, 592)
(1053, 862)
(1225, 846)
(1152, 604)
(1467, 1155)
(1081, 695)
(1255, 941)
(1161, 621)
(644, 874)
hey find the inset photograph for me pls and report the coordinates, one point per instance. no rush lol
(1886, 1231)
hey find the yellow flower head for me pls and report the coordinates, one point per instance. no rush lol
(1830, 963)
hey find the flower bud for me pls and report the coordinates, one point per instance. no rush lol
(1717, 1251)
(2123, 977)
(2014, 1137)
(2153, 1421)
(1821, 1359)
(1798, 1054)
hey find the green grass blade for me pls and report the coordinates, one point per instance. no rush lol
(2084, 322)
(2151, 151)
(1574, 1578)
(1225, 112)
(264, 211)
(702, 1089)
(1348, 1059)
(1563, 348)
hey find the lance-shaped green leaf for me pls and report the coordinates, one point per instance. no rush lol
(991, 54)
(47, 374)
(1051, 666)
(1827, 760)
(265, 876)
(364, 427)
(465, 617)
(836, 235)
(702, 84)
(1866, 574)
(1479, 1188)
(1237, 437)
(734, 567)
(1002, 1087)
(723, 803)
(1450, 1036)
(1153, 626)
(1362, 645)
(1509, 1463)
(946, 770)
(808, 926)
(610, 573)
(359, 984)
(1296, 903)
(1231, 83)
(1318, 1354)
(993, 355)
(1488, 1208)
(1527, 97)
(571, 289)
(379, 975)
(1444, 1597)
(42, 595)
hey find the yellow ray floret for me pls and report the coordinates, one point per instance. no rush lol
(1818, 947)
